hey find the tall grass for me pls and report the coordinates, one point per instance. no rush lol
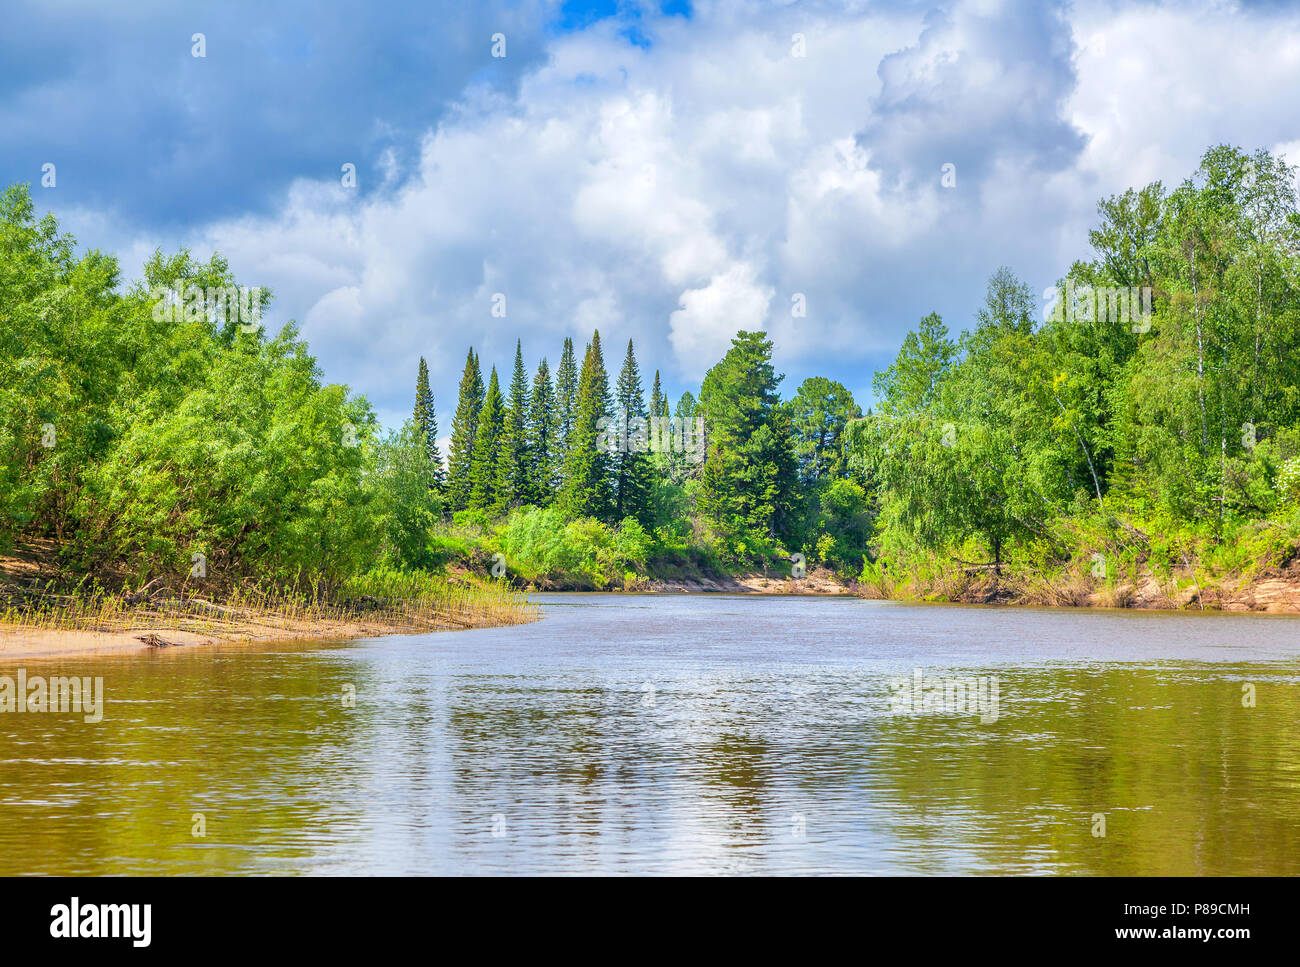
(382, 600)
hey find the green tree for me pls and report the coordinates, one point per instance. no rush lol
(819, 413)
(631, 466)
(514, 485)
(407, 505)
(485, 468)
(426, 422)
(658, 401)
(747, 485)
(464, 427)
(566, 400)
(680, 465)
(587, 488)
(542, 427)
(911, 382)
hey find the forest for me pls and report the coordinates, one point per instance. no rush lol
(1141, 417)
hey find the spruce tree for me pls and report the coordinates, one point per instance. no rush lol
(566, 398)
(631, 464)
(464, 426)
(660, 430)
(542, 436)
(748, 481)
(586, 491)
(658, 401)
(426, 424)
(514, 472)
(487, 448)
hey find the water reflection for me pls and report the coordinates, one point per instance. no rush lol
(679, 734)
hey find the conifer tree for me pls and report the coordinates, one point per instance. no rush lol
(748, 480)
(680, 466)
(464, 425)
(658, 401)
(631, 465)
(426, 425)
(566, 397)
(487, 449)
(586, 491)
(542, 436)
(514, 483)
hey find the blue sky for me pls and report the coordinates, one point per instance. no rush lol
(669, 173)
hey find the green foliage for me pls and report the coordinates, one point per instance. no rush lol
(747, 492)
(566, 401)
(1183, 413)
(539, 544)
(406, 506)
(587, 490)
(135, 441)
(911, 382)
(841, 522)
(630, 459)
(464, 428)
(658, 401)
(819, 413)
(514, 470)
(485, 474)
(426, 422)
(543, 441)
(1288, 481)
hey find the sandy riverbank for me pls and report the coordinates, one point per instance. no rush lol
(816, 582)
(44, 642)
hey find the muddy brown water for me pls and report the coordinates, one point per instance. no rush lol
(681, 734)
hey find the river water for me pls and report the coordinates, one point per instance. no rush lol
(682, 734)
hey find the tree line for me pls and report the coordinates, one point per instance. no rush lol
(131, 442)
(762, 482)
(1181, 410)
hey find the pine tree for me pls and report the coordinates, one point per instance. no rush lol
(631, 464)
(514, 483)
(426, 424)
(464, 426)
(566, 398)
(484, 468)
(542, 435)
(586, 491)
(658, 401)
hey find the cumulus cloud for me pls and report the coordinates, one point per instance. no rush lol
(680, 188)
(701, 330)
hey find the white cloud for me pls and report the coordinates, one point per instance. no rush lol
(701, 330)
(676, 194)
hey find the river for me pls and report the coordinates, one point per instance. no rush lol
(653, 734)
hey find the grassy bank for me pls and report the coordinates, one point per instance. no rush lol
(41, 614)
(536, 549)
